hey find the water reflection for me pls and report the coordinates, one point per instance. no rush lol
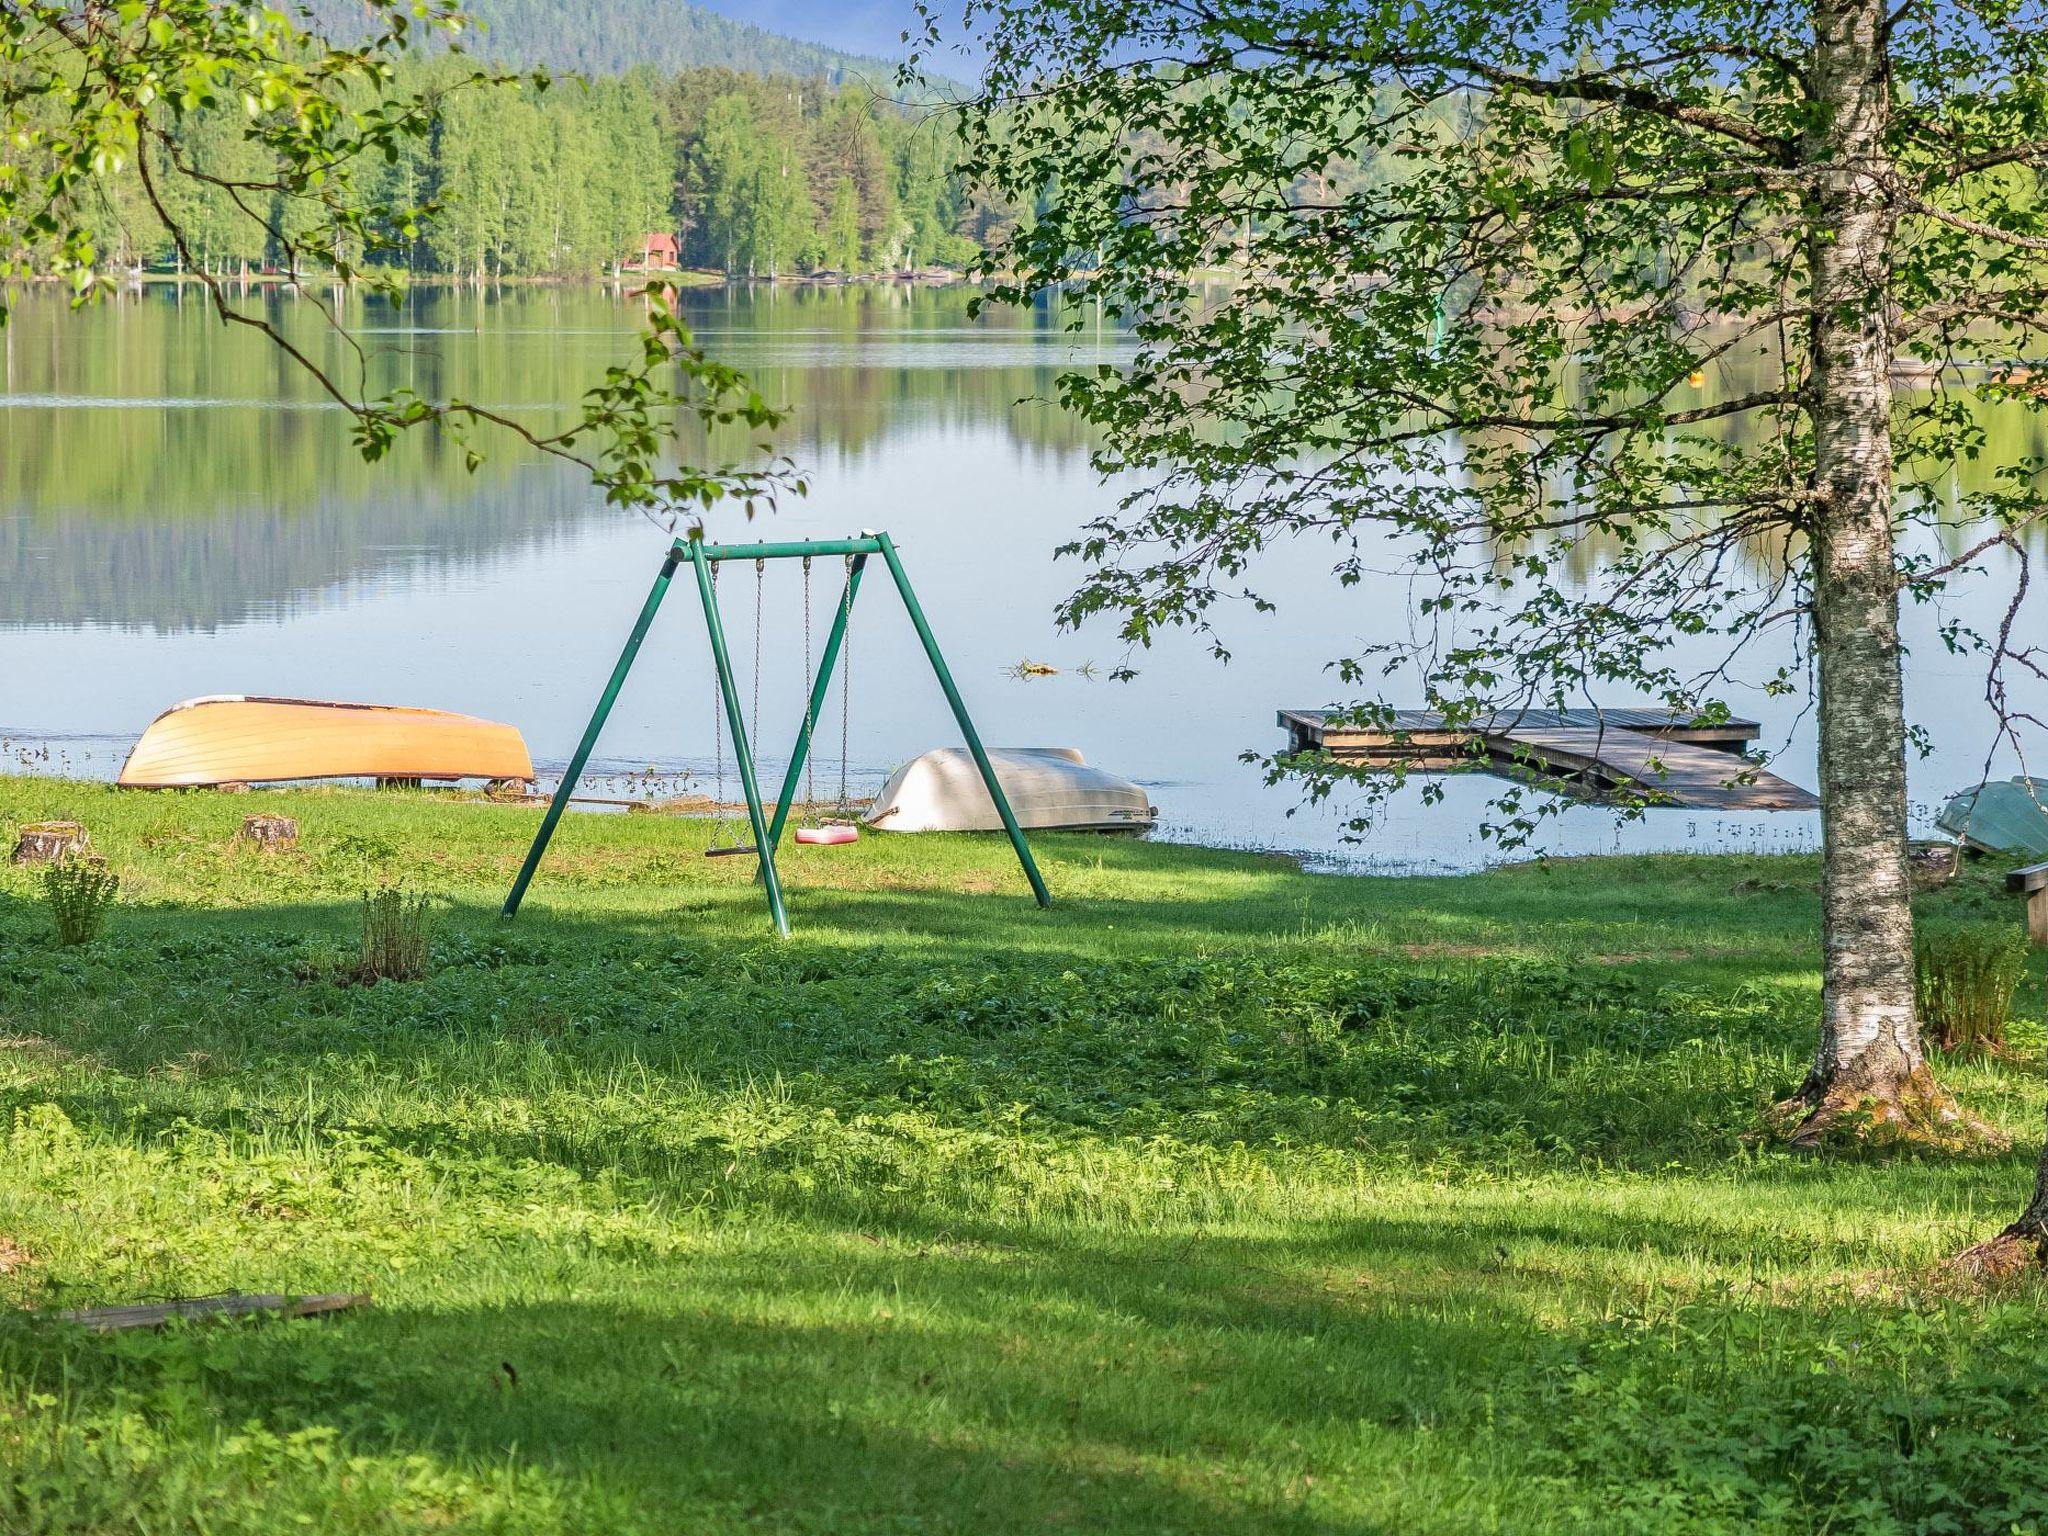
(157, 470)
(180, 514)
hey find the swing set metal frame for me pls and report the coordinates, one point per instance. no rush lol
(767, 828)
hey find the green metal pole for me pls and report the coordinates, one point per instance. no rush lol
(819, 689)
(791, 549)
(988, 772)
(743, 750)
(567, 787)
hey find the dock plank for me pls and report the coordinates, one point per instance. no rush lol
(1667, 771)
(1665, 755)
(1314, 725)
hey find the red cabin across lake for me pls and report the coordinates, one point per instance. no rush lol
(659, 251)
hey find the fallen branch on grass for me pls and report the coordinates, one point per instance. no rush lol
(234, 1304)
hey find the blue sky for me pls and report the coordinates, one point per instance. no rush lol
(873, 27)
(858, 26)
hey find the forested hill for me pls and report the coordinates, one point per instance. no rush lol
(606, 37)
(768, 170)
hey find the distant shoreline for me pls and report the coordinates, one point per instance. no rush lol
(688, 277)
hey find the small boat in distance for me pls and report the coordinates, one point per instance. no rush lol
(233, 739)
(2003, 816)
(1049, 789)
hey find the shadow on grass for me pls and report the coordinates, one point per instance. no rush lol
(954, 1389)
(898, 1007)
(830, 1379)
(1209, 1050)
(855, 1336)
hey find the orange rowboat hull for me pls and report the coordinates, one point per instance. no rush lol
(251, 740)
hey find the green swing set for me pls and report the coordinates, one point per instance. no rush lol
(705, 560)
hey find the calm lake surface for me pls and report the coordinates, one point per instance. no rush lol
(181, 515)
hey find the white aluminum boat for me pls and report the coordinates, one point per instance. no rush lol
(1049, 789)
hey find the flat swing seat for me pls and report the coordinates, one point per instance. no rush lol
(829, 835)
(730, 852)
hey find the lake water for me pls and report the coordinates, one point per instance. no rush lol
(180, 514)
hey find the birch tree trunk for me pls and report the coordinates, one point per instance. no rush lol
(1870, 1062)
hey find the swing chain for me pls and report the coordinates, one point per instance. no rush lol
(845, 807)
(810, 723)
(760, 576)
(727, 829)
(842, 811)
(717, 737)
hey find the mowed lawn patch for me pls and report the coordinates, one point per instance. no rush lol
(1218, 1198)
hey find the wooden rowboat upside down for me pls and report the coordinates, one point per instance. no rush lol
(231, 739)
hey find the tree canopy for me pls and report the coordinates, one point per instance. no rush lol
(1585, 315)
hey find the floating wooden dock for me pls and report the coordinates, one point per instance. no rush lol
(1661, 756)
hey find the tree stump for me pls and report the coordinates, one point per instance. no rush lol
(273, 834)
(46, 842)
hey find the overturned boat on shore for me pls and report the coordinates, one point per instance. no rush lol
(239, 739)
(1050, 789)
(2002, 816)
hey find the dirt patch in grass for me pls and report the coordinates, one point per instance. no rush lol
(582, 866)
(963, 882)
(37, 1048)
(1451, 951)
(1760, 885)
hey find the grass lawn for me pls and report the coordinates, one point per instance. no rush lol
(1218, 1199)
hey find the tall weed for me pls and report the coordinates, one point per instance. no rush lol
(79, 893)
(398, 928)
